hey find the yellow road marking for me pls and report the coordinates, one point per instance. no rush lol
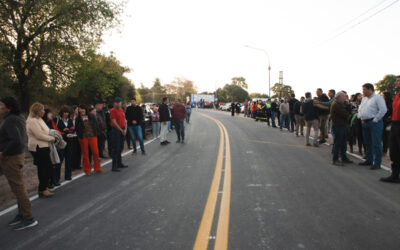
(203, 235)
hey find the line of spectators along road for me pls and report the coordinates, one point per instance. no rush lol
(77, 136)
(368, 120)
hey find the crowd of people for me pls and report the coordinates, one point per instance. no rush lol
(368, 120)
(76, 137)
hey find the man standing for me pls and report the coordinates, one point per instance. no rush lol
(233, 107)
(340, 114)
(394, 141)
(284, 108)
(299, 117)
(274, 111)
(311, 116)
(165, 117)
(323, 116)
(118, 124)
(134, 117)
(292, 101)
(371, 111)
(246, 108)
(178, 117)
(12, 156)
(101, 138)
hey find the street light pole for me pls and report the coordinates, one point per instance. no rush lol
(269, 66)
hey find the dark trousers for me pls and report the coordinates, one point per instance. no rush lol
(56, 168)
(127, 138)
(75, 153)
(109, 144)
(101, 142)
(385, 138)
(41, 158)
(340, 144)
(68, 160)
(394, 148)
(117, 141)
(180, 129)
(292, 122)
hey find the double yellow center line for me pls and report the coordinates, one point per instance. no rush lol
(203, 235)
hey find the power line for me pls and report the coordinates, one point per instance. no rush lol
(360, 22)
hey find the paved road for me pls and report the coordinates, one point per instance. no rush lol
(275, 194)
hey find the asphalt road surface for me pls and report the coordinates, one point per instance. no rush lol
(234, 184)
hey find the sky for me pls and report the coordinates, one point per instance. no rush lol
(317, 44)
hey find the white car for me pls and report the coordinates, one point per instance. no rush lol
(225, 107)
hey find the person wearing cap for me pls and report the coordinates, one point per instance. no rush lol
(12, 156)
(119, 127)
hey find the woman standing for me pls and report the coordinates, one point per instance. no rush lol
(38, 145)
(76, 148)
(66, 127)
(155, 121)
(188, 111)
(86, 128)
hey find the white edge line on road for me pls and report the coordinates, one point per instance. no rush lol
(34, 197)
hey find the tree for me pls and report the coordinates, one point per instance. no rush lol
(99, 78)
(387, 84)
(180, 87)
(232, 93)
(158, 91)
(40, 40)
(145, 93)
(282, 90)
(240, 81)
(258, 95)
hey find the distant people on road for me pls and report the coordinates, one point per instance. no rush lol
(340, 113)
(311, 116)
(134, 117)
(300, 122)
(38, 145)
(292, 101)
(246, 108)
(165, 118)
(284, 109)
(87, 129)
(119, 128)
(274, 112)
(394, 141)
(323, 116)
(371, 111)
(188, 111)
(178, 118)
(12, 157)
(233, 108)
(155, 121)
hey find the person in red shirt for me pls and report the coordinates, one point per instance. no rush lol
(178, 117)
(394, 141)
(118, 124)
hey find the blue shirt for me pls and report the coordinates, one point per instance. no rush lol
(373, 107)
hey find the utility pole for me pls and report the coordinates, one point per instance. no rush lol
(280, 83)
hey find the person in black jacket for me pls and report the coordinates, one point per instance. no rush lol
(274, 112)
(86, 128)
(323, 116)
(12, 157)
(311, 116)
(66, 127)
(387, 119)
(292, 101)
(134, 117)
(165, 117)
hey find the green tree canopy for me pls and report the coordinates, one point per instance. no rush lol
(258, 95)
(40, 40)
(387, 84)
(240, 81)
(232, 93)
(282, 90)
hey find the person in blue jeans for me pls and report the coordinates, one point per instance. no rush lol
(188, 111)
(371, 111)
(134, 117)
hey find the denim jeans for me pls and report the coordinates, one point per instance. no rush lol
(156, 129)
(372, 134)
(340, 145)
(117, 141)
(188, 113)
(292, 122)
(285, 118)
(273, 117)
(180, 130)
(136, 131)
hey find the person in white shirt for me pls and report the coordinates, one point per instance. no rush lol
(371, 111)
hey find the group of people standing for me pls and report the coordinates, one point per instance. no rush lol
(77, 137)
(372, 121)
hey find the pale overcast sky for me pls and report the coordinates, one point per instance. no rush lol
(204, 42)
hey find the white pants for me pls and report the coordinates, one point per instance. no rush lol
(164, 131)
